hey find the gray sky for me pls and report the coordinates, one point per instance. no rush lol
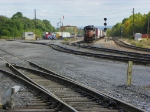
(75, 12)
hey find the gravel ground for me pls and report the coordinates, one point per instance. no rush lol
(20, 98)
(103, 75)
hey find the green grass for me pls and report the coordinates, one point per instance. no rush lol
(9, 38)
(144, 43)
(69, 39)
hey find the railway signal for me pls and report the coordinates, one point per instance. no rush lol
(105, 29)
(105, 24)
(121, 30)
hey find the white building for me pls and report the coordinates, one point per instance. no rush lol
(63, 34)
(29, 36)
(138, 36)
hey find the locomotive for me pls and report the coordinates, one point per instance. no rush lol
(92, 33)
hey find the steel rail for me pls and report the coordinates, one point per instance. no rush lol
(49, 97)
(121, 43)
(61, 80)
(98, 95)
(133, 54)
(139, 60)
(117, 58)
(88, 91)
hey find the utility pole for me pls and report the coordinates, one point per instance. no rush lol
(57, 25)
(35, 17)
(121, 30)
(148, 29)
(60, 22)
(133, 22)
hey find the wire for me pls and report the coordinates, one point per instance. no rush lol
(98, 19)
(92, 15)
(101, 14)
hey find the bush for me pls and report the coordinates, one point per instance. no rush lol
(69, 39)
(143, 43)
(4, 37)
(66, 39)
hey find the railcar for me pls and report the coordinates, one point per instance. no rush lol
(92, 33)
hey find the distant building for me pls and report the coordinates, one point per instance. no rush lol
(29, 36)
(145, 35)
(138, 36)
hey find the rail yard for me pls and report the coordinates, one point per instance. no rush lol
(69, 77)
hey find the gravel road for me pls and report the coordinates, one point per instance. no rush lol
(104, 75)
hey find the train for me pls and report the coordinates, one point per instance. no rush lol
(92, 33)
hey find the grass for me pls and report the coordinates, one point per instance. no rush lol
(9, 38)
(144, 43)
(69, 39)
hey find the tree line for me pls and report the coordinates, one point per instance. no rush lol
(17, 24)
(125, 28)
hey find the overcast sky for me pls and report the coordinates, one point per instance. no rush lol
(75, 12)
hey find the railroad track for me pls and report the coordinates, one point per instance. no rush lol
(144, 60)
(139, 60)
(122, 44)
(55, 92)
(42, 101)
(126, 53)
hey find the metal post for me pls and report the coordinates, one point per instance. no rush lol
(121, 30)
(133, 22)
(129, 73)
(148, 29)
(35, 17)
(1, 102)
(60, 22)
(121, 33)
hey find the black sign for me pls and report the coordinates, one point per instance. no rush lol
(105, 19)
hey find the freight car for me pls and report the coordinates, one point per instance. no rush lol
(92, 33)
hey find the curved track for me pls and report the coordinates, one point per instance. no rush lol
(126, 53)
(64, 94)
(117, 58)
(144, 60)
(122, 44)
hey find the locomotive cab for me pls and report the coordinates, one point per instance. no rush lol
(89, 33)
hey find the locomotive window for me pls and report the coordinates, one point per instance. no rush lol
(89, 28)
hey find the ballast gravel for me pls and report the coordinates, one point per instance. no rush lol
(106, 76)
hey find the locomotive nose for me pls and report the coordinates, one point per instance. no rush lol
(89, 33)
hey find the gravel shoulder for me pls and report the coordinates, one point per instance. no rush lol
(103, 75)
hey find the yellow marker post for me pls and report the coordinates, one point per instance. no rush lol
(129, 73)
(0, 105)
(0, 102)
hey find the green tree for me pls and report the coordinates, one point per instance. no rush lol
(17, 24)
(5, 33)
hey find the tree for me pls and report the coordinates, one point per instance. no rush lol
(17, 15)
(17, 24)
(140, 25)
(5, 33)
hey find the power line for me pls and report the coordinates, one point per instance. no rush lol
(101, 14)
(97, 19)
(94, 15)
